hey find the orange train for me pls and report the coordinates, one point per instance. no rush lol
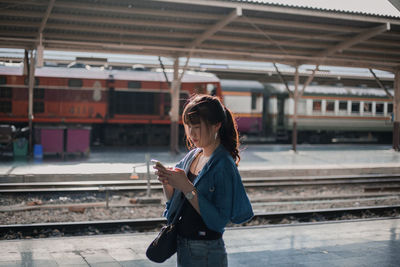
(123, 107)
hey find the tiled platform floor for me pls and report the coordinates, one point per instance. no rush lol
(357, 243)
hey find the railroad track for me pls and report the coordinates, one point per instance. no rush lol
(373, 182)
(73, 186)
(140, 225)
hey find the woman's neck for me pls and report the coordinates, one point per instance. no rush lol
(208, 150)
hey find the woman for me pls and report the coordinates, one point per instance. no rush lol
(207, 179)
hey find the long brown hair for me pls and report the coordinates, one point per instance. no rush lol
(211, 111)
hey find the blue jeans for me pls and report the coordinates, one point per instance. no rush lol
(201, 253)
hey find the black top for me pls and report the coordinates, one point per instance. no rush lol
(191, 225)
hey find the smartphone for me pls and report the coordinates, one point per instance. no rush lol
(158, 163)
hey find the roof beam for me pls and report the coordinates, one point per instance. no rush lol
(309, 79)
(46, 16)
(210, 52)
(292, 24)
(283, 80)
(378, 81)
(166, 53)
(364, 35)
(237, 12)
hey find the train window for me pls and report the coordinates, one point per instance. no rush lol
(330, 106)
(342, 105)
(367, 107)
(134, 84)
(379, 108)
(38, 107)
(137, 103)
(200, 89)
(5, 92)
(75, 83)
(390, 107)
(167, 103)
(355, 107)
(5, 106)
(3, 80)
(211, 89)
(253, 101)
(317, 105)
(38, 93)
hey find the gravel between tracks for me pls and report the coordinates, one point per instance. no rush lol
(127, 210)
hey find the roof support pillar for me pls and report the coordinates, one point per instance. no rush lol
(396, 111)
(39, 52)
(40, 48)
(174, 113)
(30, 99)
(296, 97)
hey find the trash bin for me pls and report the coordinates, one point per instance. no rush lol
(20, 147)
(78, 141)
(51, 139)
(37, 151)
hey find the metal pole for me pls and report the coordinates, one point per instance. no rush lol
(396, 111)
(148, 174)
(107, 196)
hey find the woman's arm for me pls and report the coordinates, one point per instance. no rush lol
(193, 199)
(176, 178)
(168, 191)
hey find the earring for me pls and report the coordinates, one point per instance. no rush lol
(216, 135)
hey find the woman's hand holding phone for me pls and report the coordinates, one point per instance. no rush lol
(161, 171)
(174, 177)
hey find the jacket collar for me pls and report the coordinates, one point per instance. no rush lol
(216, 155)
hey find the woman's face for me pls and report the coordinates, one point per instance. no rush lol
(200, 134)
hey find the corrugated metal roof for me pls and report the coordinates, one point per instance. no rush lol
(235, 30)
(361, 7)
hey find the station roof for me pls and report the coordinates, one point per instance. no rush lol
(231, 29)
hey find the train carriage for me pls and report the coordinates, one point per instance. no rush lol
(123, 107)
(332, 113)
(131, 107)
(325, 113)
(245, 99)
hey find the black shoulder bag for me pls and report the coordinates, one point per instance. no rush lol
(164, 245)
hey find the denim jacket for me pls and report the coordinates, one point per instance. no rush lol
(220, 190)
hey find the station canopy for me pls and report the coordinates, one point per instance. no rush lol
(235, 30)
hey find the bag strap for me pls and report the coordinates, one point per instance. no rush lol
(178, 211)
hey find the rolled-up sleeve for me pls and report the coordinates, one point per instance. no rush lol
(216, 214)
(229, 202)
(168, 202)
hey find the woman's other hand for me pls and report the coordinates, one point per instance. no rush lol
(174, 177)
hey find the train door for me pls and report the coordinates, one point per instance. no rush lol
(111, 96)
(281, 112)
(266, 120)
(281, 131)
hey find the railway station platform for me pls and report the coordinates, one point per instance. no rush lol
(106, 163)
(351, 243)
